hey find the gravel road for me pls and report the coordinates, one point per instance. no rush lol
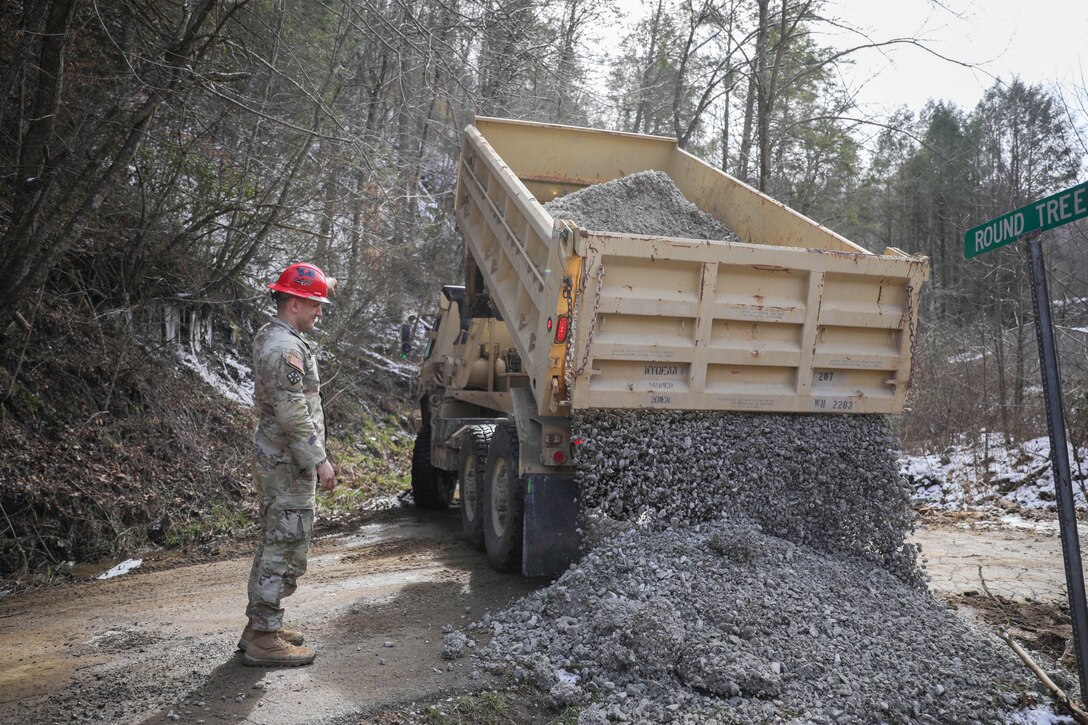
(154, 643)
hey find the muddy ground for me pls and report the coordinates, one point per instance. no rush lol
(157, 645)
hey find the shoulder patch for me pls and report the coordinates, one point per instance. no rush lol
(294, 360)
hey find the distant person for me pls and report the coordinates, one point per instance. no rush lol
(290, 461)
(407, 330)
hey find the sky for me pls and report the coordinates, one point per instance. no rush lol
(1043, 41)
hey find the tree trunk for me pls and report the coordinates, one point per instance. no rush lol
(755, 91)
(641, 112)
(328, 217)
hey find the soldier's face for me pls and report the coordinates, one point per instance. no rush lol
(308, 312)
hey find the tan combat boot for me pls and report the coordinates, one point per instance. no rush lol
(290, 636)
(268, 650)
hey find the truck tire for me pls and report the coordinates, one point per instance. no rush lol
(471, 469)
(432, 488)
(504, 500)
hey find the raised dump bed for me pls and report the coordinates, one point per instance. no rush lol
(792, 318)
(783, 316)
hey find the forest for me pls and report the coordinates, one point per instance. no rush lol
(175, 154)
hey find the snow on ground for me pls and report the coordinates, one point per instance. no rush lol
(227, 374)
(965, 357)
(402, 368)
(123, 568)
(232, 377)
(984, 471)
(1038, 716)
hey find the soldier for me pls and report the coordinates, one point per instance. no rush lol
(290, 460)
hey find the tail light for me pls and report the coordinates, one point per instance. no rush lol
(562, 327)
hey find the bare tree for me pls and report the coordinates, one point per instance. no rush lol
(68, 149)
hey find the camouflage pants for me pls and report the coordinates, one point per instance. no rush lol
(287, 512)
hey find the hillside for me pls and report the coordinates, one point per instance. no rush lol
(113, 443)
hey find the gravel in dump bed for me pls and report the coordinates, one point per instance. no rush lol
(720, 622)
(644, 203)
(828, 481)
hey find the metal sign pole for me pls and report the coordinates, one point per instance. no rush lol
(1063, 485)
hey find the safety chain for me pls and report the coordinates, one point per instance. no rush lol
(911, 327)
(572, 373)
(568, 368)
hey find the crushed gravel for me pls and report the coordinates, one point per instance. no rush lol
(748, 568)
(721, 622)
(828, 481)
(644, 203)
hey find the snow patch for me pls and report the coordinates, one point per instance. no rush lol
(984, 471)
(1037, 716)
(233, 379)
(964, 357)
(400, 368)
(123, 568)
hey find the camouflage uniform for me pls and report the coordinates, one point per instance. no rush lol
(290, 443)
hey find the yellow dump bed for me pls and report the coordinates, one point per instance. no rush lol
(793, 318)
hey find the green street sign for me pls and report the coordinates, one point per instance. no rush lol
(1053, 211)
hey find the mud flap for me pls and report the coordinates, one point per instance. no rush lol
(550, 538)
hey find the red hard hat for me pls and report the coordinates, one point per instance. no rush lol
(304, 280)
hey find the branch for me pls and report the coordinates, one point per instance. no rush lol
(280, 121)
(1074, 707)
(860, 121)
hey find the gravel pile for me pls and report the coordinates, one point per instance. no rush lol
(831, 482)
(644, 203)
(721, 622)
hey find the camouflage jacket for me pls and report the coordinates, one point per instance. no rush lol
(286, 393)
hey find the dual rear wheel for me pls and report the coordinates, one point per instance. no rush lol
(471, 469)
(492, 492)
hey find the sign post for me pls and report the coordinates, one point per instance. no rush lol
(1063, 485)
(1030, 221)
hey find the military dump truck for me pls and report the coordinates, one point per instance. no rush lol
(553, 318)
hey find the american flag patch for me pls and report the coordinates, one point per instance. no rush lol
(295, 361)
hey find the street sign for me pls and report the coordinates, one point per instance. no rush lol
(1053, 211)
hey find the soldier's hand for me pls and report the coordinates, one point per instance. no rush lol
(326, 475)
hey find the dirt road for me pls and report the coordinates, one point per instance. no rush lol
(159, 646)
(147, 645)
(1016, 558)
